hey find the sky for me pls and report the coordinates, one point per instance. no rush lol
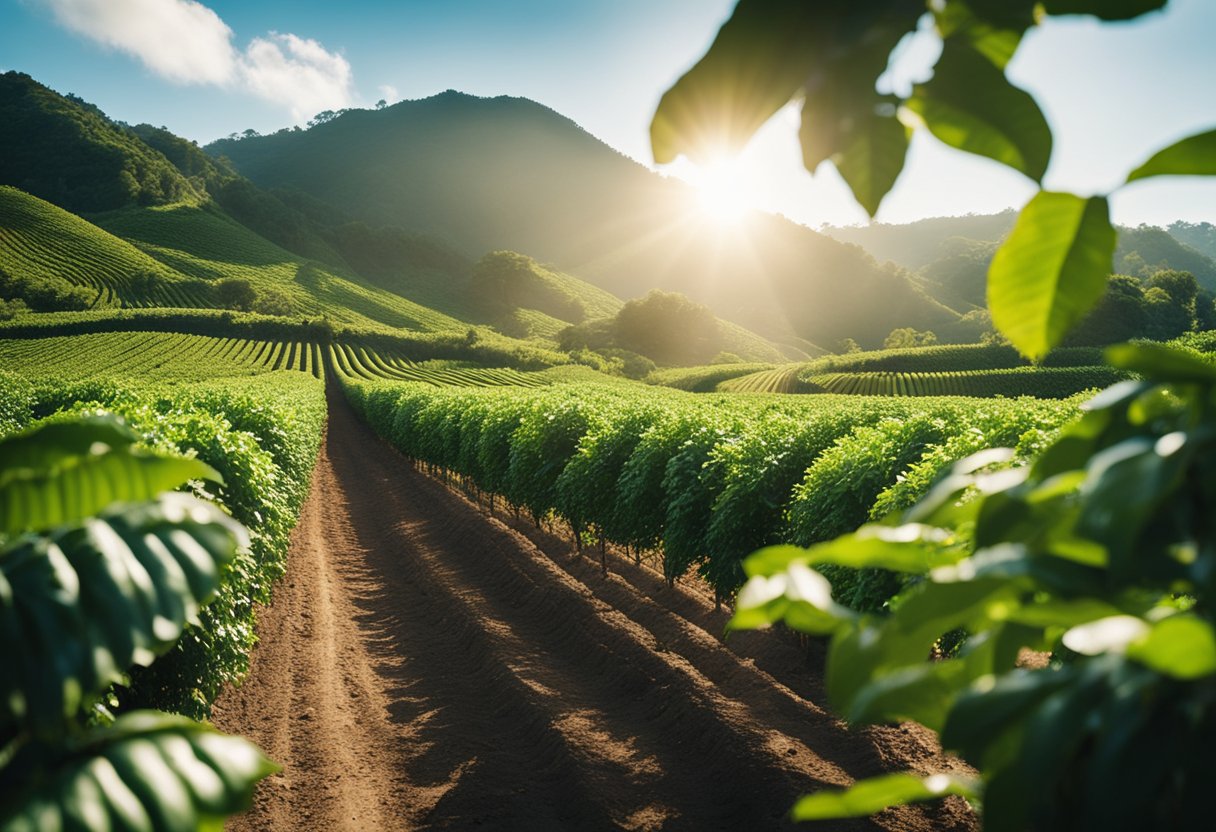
(1113, 93)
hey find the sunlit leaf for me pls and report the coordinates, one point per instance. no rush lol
(1193, 156)
(761, 57)
(1182, 646)
(1051, 270)
(873, 158)
(969, 105)
(867, 143)
(146, 771)
(869, 796)
(63, 472)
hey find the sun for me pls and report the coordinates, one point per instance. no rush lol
(723, 192)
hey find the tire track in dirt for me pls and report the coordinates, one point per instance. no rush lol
(427, 667)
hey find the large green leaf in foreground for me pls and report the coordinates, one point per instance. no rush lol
(80, 607)
(1051, 271)
(969, 105)
(1193, 156)
(148, 772)
(60, 473)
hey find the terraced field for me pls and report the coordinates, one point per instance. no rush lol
(1043, 382)
(777, 380)
(40, 241)
(204, 243)
(179, 357)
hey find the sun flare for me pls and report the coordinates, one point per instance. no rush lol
(723, 194)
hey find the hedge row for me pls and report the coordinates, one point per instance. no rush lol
(705, 479)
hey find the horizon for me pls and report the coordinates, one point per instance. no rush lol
(180, 64)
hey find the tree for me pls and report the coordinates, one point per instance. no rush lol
(1101, 550)
(905, 337)
(274, 302)
(381, 104)
(235, 293)
(668, 328)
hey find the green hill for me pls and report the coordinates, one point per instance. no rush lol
(506, 173)
(205, 243)
(44, 244)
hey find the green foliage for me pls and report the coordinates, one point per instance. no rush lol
(261, 435)
(907, 338)
(970, 105)
(1101, 546)
(1051, 271)
(99, 574)
(145, 771)
(705, 478)
(1193, 155)
(1043, 382)
(668, 328)
(79, 160)
(703, 379)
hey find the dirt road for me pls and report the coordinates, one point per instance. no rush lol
(427, 667)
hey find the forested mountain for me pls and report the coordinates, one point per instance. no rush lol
(934, 245)
(66, 151)
(508, 173)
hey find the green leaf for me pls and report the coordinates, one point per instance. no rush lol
(147, 771)
(877, 793)
(994, 28)
(1051, 270)
(1182, 646)
(80, 607)
(1193, 156)
(79, 487)
(911, 548)
(46, 445)
(62, 472)
(922, 693)
(1104, 9)
(995, 706)
(761, 57)
(1161, 363)
(868, 145)
(969, 105)
(873, 159)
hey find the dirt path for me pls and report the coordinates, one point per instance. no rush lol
(427, 667)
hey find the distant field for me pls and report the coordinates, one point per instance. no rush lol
(176, 357)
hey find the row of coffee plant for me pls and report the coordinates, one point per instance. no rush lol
(706, 479)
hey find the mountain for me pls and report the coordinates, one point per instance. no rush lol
(508, 173)
(915, 245)
(66, 151)
(135, 216)
(936, 248)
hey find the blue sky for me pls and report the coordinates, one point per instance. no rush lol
(1113, 92)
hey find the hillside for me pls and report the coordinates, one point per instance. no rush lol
(508, 173)
(67, 152)
(933, 246)
(48, 246)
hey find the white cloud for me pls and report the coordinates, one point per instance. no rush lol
(389, 93)
(182, 40)
(298, 72)
(185, 42)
